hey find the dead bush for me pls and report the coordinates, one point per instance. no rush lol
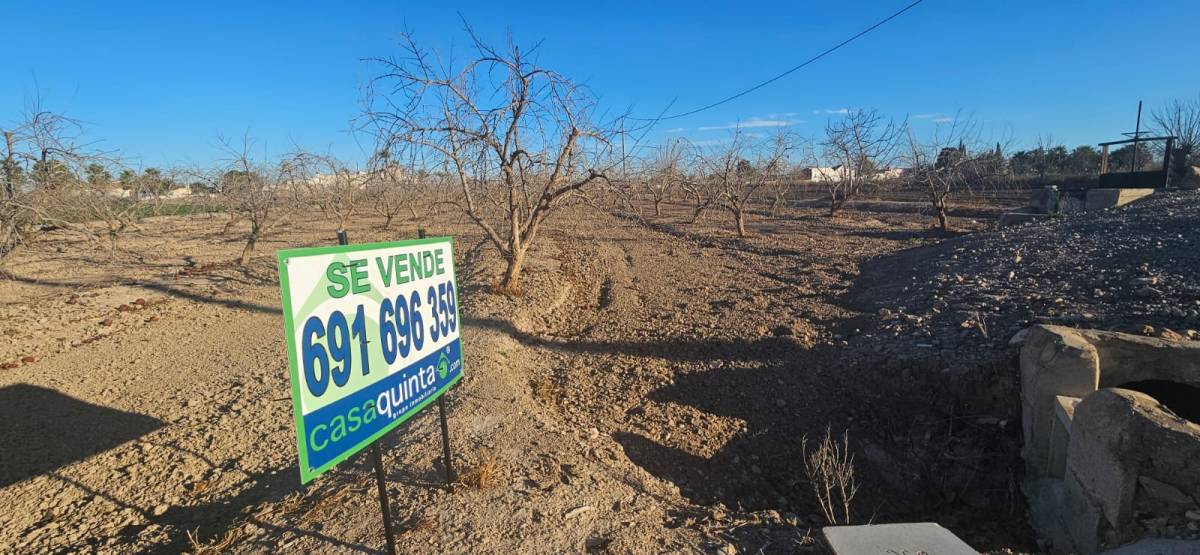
(829, 467)
(483, 474)
(214, 547)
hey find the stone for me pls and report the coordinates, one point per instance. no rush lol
(578, 511)
(1171, 335)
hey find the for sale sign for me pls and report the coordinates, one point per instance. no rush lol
(372, 337)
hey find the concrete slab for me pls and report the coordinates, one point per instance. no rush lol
(1098, 199)
(889, 539)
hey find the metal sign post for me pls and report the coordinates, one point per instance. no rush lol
(377, 456)
(447, 459)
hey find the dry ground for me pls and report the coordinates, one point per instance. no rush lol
(647, 394)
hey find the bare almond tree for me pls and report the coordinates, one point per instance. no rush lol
(393, 188)
(1181, 119)
(778, 189)
(948, 163)
(42, 159)
(736, 179)
(859, 146)
(115, 206)
(334, 187)
(517, 138)
(665, 172)
(701, 190)
(260, 194)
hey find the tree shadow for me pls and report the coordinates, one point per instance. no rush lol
(45, 430)
(767, 348)
(908, 234)
(168, 290)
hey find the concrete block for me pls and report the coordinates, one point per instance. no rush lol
(1054, 361)
(1045, 497)
(1081, 517)
(889, 539)
(1060, 435)
(1099, 199)
(1126, 454)
(1102, 469)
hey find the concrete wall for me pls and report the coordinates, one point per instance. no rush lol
(1101, 458)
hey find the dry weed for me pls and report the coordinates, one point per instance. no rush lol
(484, 474)
(214, 547)
(830, 470)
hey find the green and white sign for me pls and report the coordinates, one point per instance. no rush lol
(372, 336)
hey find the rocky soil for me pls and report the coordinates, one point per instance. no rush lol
(1130, 269)
(649, 392)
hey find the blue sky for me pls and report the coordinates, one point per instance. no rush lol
(161, 81)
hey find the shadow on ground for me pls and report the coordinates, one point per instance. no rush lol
(45, 430)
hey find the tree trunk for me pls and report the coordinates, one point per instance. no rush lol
(657, 207)
(739, 216)
(387, 221)
(774, 206)
(512, 273)
(248, 251)
(943, 218)
(10, 169)
(112, 244)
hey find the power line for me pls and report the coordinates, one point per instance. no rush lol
(828, 51)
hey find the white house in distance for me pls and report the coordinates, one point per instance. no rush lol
(838, 173)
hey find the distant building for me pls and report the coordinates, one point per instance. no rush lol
(837, 173)
(817, 173)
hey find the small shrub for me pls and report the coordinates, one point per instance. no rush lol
(829, 467)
